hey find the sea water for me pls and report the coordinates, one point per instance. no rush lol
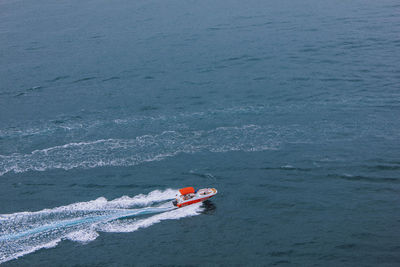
(289, 108)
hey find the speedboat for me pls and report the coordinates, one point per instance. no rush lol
(189, 196)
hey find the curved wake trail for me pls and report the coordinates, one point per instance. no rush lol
(146, 148)
(25, 232)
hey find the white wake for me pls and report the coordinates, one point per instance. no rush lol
(25, 232)
(146, 148)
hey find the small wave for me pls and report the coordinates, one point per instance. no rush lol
(25, 232)
(58, 78)
(383, 167)
(202, 175)
(288, 168)
(146, 148)
(362, 178)
(84, 79)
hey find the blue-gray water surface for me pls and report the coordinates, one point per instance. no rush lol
(289, 108)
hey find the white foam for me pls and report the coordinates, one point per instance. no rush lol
(4, 257)
(133, 225)
(82, 236)
(25, 232)
(146, 148)
(101, 203)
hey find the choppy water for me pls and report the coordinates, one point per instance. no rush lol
(289, 108)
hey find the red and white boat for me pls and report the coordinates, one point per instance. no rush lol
(189, 196)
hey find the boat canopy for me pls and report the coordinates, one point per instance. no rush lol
(186, 190)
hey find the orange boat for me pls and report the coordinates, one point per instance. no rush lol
(190, 196)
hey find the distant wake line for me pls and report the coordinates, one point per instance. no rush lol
(76, 124)
(25, 232)
(146, 148)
